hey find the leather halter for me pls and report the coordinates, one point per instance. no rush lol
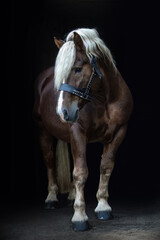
(84, 92)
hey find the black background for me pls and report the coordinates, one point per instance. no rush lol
(130, 30)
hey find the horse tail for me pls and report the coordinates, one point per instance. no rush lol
(63, 167)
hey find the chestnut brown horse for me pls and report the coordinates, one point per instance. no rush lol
(83, 99)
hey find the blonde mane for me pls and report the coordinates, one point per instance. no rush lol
(64, 63)
(67, 53)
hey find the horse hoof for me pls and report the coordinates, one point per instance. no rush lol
(70, 203)
(51, 205)
(81, 226)
(104, 215)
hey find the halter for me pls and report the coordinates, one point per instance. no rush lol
(84, 92)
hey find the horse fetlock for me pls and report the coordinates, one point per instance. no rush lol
(51, 201)
(72, 194)
(53, 189)
(103, 206)
(79, 215)
(79, 204)
(103, 210)
(52, 196)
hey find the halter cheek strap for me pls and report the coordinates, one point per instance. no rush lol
(76, 91)
(94, 65)
(84, 92)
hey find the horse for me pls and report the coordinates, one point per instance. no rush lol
(81, 99)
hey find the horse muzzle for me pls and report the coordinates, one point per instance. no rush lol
(68, 114)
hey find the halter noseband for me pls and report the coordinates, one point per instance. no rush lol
(84, 92)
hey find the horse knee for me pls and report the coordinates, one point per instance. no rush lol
(80, 177)
(106, 168)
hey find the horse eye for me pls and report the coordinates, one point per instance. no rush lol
(77, 70)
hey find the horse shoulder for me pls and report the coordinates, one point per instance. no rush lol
(120, 109)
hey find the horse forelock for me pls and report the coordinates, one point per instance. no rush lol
(93, 44)
(64, 63)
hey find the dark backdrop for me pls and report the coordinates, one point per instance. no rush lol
(130, 30)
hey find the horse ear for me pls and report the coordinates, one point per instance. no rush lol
(58, 43)
(78, 41)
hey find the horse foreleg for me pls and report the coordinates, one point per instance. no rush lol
(71, 195)
(80, 174)
(103, 209)
(48, 150)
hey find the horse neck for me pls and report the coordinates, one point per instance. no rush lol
(109, 85)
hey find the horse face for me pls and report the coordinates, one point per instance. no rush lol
(68, 104)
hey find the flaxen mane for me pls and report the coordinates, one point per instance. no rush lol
(67, 53)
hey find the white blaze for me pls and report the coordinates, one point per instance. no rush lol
(59, 106)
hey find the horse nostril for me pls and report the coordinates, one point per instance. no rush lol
(70, 116)
(65, 112)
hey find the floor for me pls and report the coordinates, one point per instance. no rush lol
(133, 220)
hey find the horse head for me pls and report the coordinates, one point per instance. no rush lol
(74, 75)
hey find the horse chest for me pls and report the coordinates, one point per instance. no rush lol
(99, 128)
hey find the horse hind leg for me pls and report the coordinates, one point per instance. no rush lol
(48, 146)
(63, 172)
(103, 209)
(71, 195)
